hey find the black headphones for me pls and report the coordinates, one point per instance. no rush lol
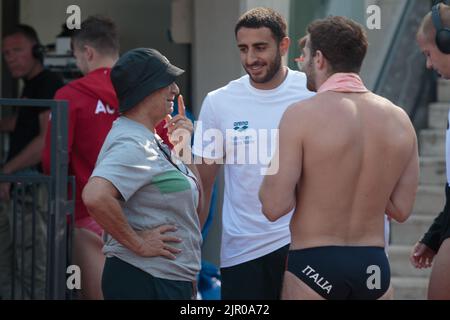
(38, 52)
(442, 33)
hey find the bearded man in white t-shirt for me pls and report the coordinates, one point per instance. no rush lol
(237, 127)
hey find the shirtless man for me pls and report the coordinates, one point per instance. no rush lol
(346, 156)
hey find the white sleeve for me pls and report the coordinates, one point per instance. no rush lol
(208, 137)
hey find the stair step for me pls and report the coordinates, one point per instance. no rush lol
(430, 200)
(432, 142)
(443, 90)
(409, 232)
(410, 288)
(400, 265)
(438, 115)
(410, 283)
(432, 171)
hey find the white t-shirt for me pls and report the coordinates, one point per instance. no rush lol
(239, 122)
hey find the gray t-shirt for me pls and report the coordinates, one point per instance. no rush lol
(155, 192)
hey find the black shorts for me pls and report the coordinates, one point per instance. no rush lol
(124, 281)
(339, 273)
(259, 279)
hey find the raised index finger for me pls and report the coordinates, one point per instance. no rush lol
(181, 106)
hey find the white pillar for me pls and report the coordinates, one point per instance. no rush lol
(215, 58)
(281, 6)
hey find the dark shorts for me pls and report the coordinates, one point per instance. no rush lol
(123, 281)
(259, 279)
(339, 273)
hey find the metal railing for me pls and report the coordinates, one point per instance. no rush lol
(58, 208)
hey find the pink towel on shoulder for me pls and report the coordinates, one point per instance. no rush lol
(343, 82)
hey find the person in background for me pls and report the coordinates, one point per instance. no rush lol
(23, 55)
(433, 38)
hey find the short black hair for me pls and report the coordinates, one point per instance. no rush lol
(263, 17)
(27, 31)
(100, 33)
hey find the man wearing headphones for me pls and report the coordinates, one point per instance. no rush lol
(433, 39)
(23, 55)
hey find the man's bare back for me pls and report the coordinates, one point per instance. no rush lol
(345, 158)
(353, 158)
(355, 149)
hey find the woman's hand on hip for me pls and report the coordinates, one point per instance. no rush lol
(155, 242)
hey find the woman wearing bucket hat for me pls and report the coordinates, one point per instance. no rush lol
(146, 199)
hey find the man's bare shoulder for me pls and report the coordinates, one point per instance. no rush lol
(398, 117)
(307, 114)
(302, 107)
(396, 111)
(383, 102)
(301, 103)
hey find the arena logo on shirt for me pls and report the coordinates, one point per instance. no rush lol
(101, 108)
(240, 126)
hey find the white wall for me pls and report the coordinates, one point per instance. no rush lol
(215, 62)
(141, 23)
(348, 8)
(379, 40)
(215, 58)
